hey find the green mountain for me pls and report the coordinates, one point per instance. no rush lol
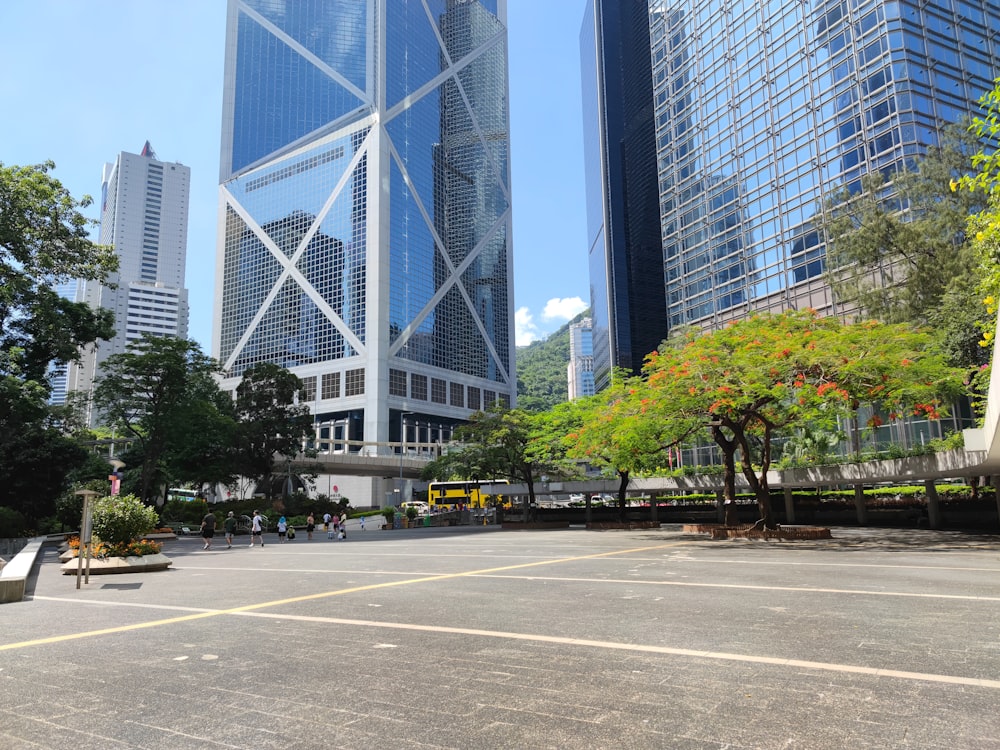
(541, 370)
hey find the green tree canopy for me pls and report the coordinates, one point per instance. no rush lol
(155, 393)
(984, 227)
(501, 443)
(43, 241)
(616, 430)
(271, 421)
(893, 250)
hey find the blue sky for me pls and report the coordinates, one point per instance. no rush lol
(82, 81)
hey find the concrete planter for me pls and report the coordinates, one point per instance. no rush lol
(789, 533)
(609, 525)
(109, 565)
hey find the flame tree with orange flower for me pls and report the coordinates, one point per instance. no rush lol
(758, 377)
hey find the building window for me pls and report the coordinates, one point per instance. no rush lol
(489, 398)
(331, 385)
(354, 382)
(473, 397)
(308, 392)
(439, 391)
(397, 382)
(457, 394)
(418, 387)
(505, 400)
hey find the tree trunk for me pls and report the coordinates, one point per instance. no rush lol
(789, 506)
(529, 510)
(933, 504)
(728, 448)
(855, 434)
(622, 499)
(732, 516)
(860, 506)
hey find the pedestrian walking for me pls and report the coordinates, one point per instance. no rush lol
(343, 525)
(328, 523)
(256, 530)
(310, 525)
(362, 523)
(208, 529)
(230, 526)
(282, 529)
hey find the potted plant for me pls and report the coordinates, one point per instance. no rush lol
(411, 514)
(389, 513)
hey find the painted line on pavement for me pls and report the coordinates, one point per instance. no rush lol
(751, 587)
(537, 638)
(648, 649)
(313, 597)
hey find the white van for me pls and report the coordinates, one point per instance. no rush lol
(422, 508)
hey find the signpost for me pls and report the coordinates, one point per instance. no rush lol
(86, 533)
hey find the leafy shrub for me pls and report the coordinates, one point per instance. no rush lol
(12, 523)
(69, 509)
(118, 519)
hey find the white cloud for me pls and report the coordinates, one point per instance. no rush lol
(525, 330)
(566, 308)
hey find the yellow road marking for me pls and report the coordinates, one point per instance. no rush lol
(321, 595)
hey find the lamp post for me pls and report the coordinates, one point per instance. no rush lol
(402, 443)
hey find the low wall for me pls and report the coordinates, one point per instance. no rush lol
(14, 575)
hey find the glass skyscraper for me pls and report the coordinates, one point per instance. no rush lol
(580, 371)
(623, 221)
(365, 220)
(763, 109)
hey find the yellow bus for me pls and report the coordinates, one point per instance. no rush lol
(451, 495)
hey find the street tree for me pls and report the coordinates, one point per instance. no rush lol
(621, 430)
(984, 228)
(43, 241)
(893, 250)
(153, 393)
(770, 373)
(271, 421)
(501, 443)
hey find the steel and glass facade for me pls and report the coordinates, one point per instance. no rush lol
(765, 109)
(365, 223)
(762, 110)
(580, 371)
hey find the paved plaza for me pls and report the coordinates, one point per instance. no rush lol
(474, 638)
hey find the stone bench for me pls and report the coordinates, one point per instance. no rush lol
(14, 575)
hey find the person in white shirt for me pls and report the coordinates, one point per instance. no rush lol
(256, 530)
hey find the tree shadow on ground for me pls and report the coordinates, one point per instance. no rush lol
(856, 538)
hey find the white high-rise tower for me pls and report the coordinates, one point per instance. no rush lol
(144, 215)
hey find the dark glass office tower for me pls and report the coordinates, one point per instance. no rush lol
(623, 219)
(365, 209)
